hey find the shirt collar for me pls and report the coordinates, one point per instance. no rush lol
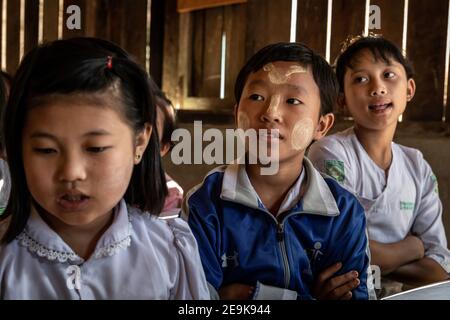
(317, 199)
(40, 239)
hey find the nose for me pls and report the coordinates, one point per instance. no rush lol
(378, 88)
(71, 168)
(272, 113)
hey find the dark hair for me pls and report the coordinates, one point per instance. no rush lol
(165, 105)
(381, 49)
(5, 84)
(288, 51)
(79, 65)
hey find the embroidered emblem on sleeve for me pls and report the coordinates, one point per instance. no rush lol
(335, 168)
(436, 186)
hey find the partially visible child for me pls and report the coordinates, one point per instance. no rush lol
(294, 234)
(5, 180)
(87, 183)
(166, 124)
(394, 183)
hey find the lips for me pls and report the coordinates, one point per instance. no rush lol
(380, 106)
(73, 200)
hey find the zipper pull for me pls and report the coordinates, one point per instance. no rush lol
(280, 232)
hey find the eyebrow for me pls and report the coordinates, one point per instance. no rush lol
(95, 133)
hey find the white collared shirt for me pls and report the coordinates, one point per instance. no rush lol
(407, 201)
(138, 257)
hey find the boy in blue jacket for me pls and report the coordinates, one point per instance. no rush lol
(294, 234)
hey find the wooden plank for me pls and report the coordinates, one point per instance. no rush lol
(312, 24)
(391, 14)
(347, 20)
(13, 36)
(31, 24)
(116, 22)
(198, 40)
(426, 46)
(1, 30)
(50, 25)
(212, 47)
(269, 21)
(235, 25)
(157, 30)
(184, 6)
(184, 56)
(171, 49)
(134, 38)
(67, 33)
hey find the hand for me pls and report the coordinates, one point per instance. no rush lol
(236, 291)
(340, 287)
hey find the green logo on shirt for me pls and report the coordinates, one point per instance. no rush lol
(436, 187)
(406, 205)
(335, 168)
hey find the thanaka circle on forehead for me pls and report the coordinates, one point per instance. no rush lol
(302, 134)
(277, 77)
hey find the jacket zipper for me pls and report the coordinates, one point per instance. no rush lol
(282, 245)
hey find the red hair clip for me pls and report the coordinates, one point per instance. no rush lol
(109, 63)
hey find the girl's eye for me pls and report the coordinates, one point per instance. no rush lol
(44, 150)
(293, 101)
(361, 79)
(389, 74)
(256, 97)
(97, 149)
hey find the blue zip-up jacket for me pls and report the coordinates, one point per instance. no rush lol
(241, 242)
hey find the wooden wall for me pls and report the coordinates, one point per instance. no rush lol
(193, 50)
(186, 48)
(123, 22)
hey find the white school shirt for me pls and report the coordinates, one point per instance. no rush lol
(408, 201)
(138, 257)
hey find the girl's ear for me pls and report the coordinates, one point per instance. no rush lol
(164, 149)
(325, 123)
(142, 140)
(411, 89)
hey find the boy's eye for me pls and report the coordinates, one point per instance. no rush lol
(256, 97)
(44, 150)
(389, 74)
(361, 79)
(293, 101)
(97, 149)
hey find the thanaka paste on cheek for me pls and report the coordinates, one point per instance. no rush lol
(276, 77)
(302, 134)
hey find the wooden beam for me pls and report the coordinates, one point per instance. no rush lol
(347, 20)
(13, 36)
(391, 13)
(184, 6)
(426, 46)
(51, 14)
(31, 24)
(269, 22)
(312, 24)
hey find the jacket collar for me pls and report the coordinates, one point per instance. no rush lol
(317, 199)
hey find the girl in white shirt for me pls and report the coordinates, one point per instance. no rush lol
(394, 183)
(87, 183)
